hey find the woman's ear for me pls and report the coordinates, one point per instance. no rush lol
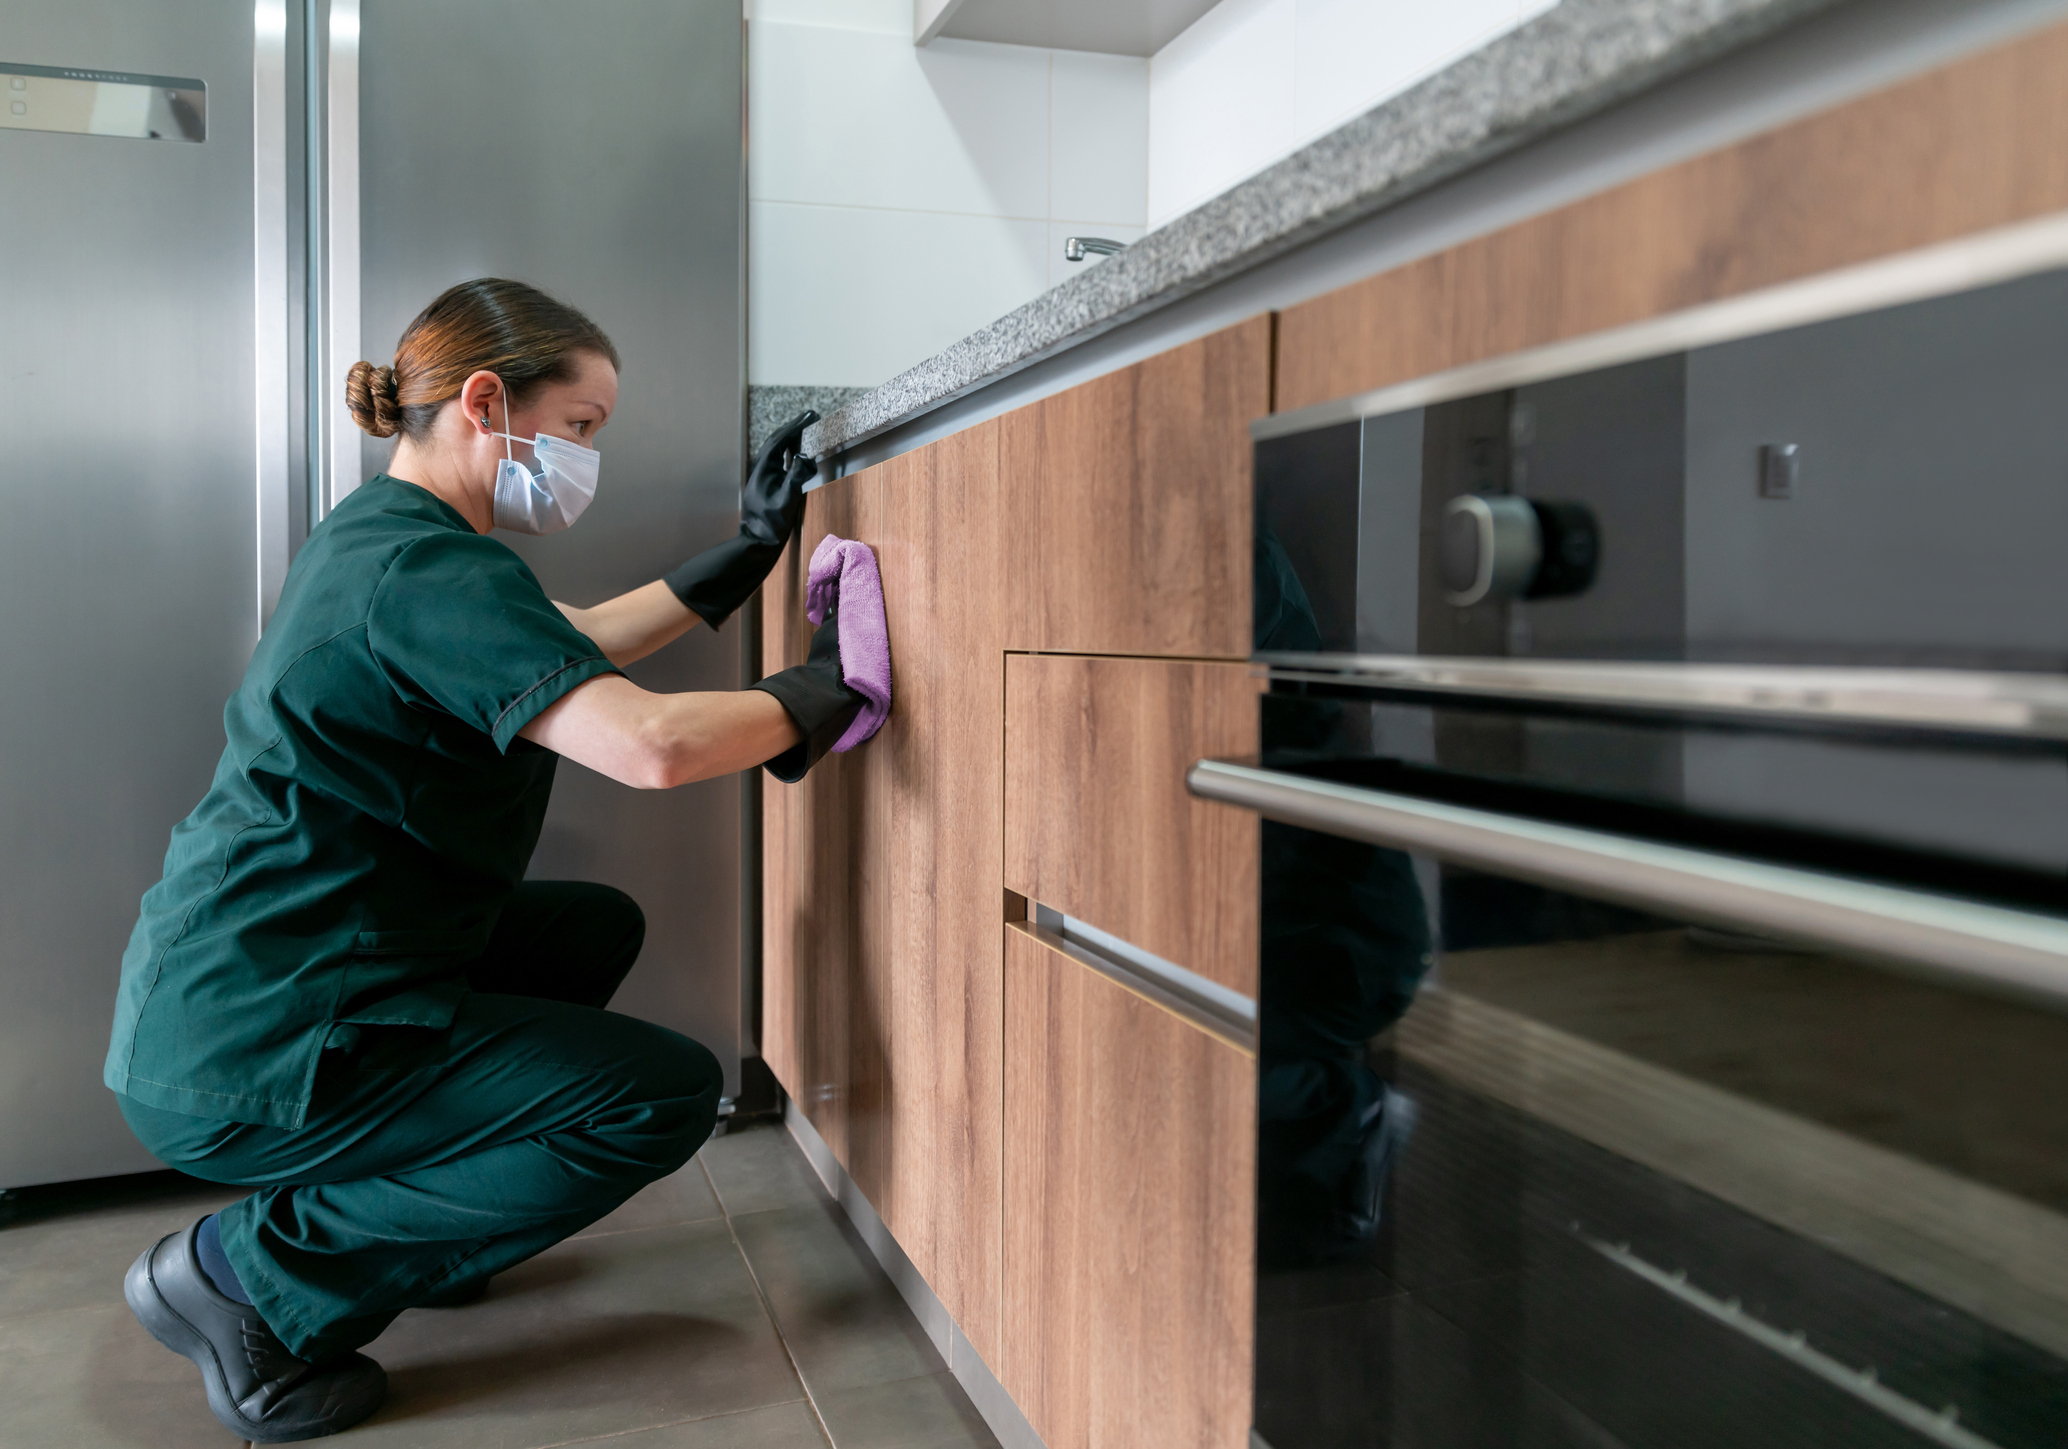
(483, 402)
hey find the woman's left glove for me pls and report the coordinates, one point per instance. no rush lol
(717, 581)
(818, 699)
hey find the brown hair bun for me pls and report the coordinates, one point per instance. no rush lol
(374, 399)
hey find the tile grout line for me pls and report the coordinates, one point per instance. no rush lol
(589, 1236)
(767, 1307)
(650, 1428)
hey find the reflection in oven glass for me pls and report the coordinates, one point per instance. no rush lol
(1598, 1178)
(1539, 1170)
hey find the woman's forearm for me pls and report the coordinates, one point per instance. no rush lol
(633, 625)
(700, 736)
(658, 741)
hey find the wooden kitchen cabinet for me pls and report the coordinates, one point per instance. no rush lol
(1129, 1208)
(1098, 822)
(1962, 149)
(1114, 517)
(1130, 503)
(826, 991)
(881, 960)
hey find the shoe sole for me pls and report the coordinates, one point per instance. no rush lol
(162, 1322)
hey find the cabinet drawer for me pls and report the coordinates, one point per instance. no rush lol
(1129, 500)
(1129, 1214)
(1098, 823)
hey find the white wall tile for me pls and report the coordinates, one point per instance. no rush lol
(1253, 80)
(1060, 271)
(1354, 53)
(855, 118)
(887, 17)
(852, 296)
(1221, 102)
(1099, 137)
(903, 197)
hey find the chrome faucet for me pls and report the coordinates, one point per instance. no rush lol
(1076, 248)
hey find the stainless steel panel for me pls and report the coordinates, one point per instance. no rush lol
(126, 566)
(273, 399)
(340, 230)
(594, 151)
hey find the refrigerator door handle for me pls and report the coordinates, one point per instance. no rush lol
(271, 279)
(340, 295)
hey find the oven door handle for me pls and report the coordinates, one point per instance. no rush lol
(2018, 954)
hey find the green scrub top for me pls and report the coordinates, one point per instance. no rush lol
(372, 812)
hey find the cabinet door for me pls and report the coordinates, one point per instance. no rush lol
(882, 967)
(1098, 823)
(826, 897)
(1968, 147)
(1129, 500)
(1129, 1209)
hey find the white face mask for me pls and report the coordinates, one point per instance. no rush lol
(552, 499)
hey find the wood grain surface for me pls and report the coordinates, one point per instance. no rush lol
(882, 973)
(1129, 1203)
(1974, 145)
(1098, 822)
(883, 978)
(825, 900)
(946, 575)
(1130, 503)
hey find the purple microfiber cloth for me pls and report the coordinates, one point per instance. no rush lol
(843, 576)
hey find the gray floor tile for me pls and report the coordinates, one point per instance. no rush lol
(844, 1322)
(77, 1260)
(592, 1337)
(684, 1197)
(759, 1169)
(928, 1413)
(779, 1426)
(645, 1332)
(91, 1378)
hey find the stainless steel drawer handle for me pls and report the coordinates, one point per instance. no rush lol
(2010, 953)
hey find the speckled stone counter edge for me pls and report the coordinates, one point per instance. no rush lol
(1579, 58)
(770, 405)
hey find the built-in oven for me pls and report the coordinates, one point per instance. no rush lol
(1664, 1011)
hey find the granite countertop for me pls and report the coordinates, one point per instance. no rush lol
(1579, 58)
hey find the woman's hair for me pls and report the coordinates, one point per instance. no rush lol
(487, 325)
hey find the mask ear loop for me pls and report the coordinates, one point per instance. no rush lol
(507, 444)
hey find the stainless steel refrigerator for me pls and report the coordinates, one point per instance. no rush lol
(212, 210)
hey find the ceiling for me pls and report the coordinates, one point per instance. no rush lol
(1117, 27)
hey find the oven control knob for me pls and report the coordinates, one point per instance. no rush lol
(1504, 547)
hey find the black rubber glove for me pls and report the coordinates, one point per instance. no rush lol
(817, 697)
(718, 580)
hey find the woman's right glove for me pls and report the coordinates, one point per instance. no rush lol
(816, 695)
(717, 581)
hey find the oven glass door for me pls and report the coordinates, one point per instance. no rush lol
(1540, 1169)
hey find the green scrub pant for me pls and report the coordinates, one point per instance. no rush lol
(434, 1158)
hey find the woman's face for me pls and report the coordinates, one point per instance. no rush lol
(575, 409)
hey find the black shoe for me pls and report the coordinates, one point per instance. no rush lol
(258, 1389)
(1382, 1137)
(457, 1295)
